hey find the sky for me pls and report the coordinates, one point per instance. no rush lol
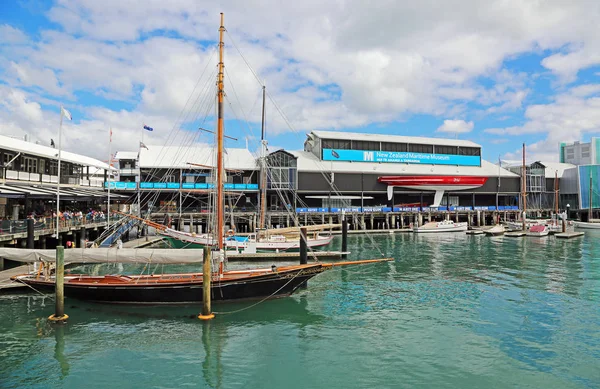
(499, 73)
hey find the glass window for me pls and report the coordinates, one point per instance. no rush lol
(451, 150)
(388, 146)
(420, 148)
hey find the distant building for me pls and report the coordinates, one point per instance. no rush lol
(29, 179)
(578, 153)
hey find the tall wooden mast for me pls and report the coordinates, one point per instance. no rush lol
(524, 190)
(263, 167)
(220, 211)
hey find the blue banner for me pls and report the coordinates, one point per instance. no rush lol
(400, 157)
(121, 185)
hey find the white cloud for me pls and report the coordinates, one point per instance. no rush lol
(331, 65)
(11, 35)
(456, 126)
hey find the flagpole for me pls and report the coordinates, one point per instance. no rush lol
(139, 181)
(109, 173)
(58, 172)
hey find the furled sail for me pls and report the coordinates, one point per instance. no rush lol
(105, 255)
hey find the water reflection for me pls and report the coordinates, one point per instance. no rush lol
(59, 350)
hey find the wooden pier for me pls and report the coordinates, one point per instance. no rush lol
(7, 285)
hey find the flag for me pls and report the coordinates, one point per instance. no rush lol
(142, 145)
(65, 113)
(148, 128)
(110, 137)
(52, 143)
(336, 155)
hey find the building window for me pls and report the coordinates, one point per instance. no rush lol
(342, 144)
(29, 164)
(365, 145)
(420, 148)
(389, 146)
(469, 151)
(451, 150)
(7, 158)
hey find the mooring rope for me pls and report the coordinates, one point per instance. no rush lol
(261, 301)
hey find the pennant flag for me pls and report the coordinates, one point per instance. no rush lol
(336, 155)
(110, 139)
(142, 145)
(65, 113)
(52, 143)
(148, 128)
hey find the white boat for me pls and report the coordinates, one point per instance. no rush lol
(496, 230)
(595, 225)
(275, 243)
(538, 230)
(443, 226)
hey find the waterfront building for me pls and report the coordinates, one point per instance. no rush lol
(29, 179)
(179, 178)
(335, 171)
(578, 153)
(390, 171)
(540, 184)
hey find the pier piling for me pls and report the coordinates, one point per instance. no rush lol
(344, 237)
(59, 286)
(206, 277)
(303, 247)
(30, 234)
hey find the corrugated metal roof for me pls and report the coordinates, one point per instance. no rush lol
(308, 162)
(30, 148)
(175, 157)
(393, 138)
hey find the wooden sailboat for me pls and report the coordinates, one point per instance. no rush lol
(186, 288)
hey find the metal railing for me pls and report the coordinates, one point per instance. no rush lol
(49, 223)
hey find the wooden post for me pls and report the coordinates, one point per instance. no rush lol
(59, 311)
(82, 237)
(303, 247)
(206, 276)
(344, 237)
(30, 234)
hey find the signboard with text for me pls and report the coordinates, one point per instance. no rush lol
(400, 157)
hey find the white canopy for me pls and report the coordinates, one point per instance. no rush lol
(105, 255)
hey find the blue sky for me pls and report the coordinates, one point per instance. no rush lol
(499, 74)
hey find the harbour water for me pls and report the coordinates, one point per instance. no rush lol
(452, 311)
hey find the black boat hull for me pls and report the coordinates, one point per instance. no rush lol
(264, 286)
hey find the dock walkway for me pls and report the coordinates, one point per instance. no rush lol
(6, 284)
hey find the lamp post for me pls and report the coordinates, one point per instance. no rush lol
(568, 208)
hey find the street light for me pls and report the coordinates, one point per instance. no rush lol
(568, 207)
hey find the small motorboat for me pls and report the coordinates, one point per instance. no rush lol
(538, 230)
(496, 230)
(443, 226)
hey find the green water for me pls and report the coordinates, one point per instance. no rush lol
(452, 311)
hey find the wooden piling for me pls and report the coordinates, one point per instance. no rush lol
(30, 234)
(344, 238)
(303, 246)
(206, 278)
(59, 310)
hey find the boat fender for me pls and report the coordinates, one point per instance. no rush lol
(274, 268)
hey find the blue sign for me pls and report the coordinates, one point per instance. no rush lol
(400, 157)
(120, 185)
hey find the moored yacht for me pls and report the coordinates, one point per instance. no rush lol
(443, 226)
